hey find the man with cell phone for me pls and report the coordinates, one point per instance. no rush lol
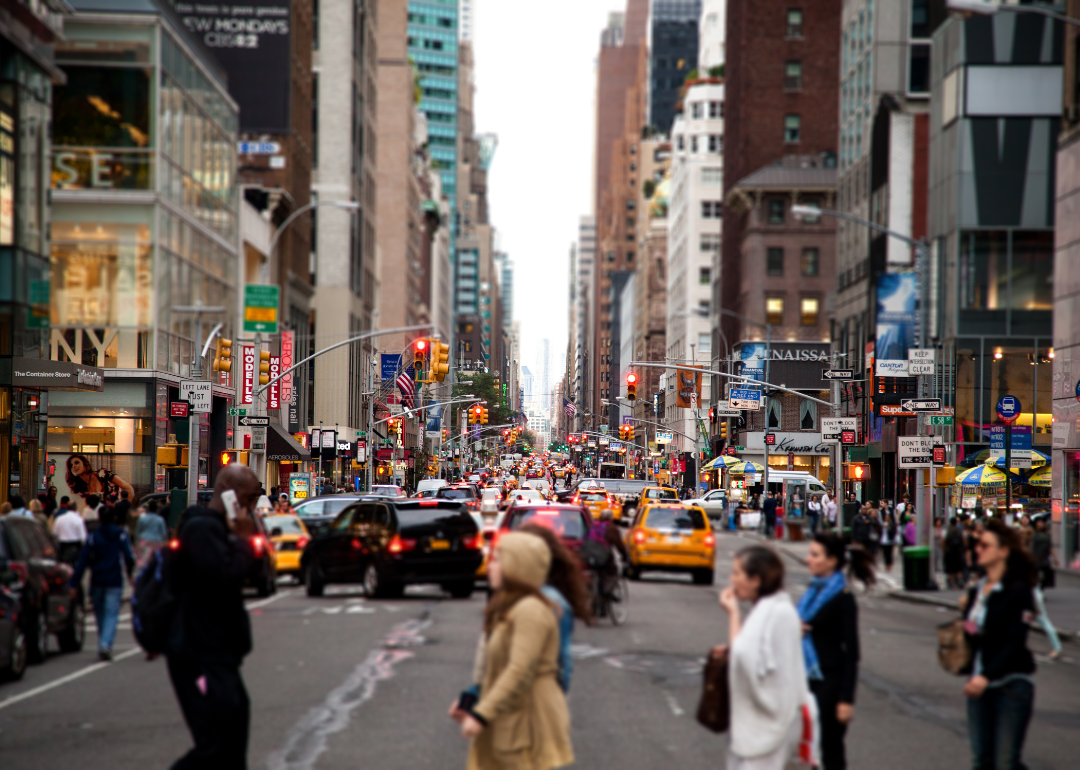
(209, 560)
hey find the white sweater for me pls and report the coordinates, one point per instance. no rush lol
(767, 677)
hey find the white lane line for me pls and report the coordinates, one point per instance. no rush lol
(274, 598)
(65, 679)
(673, 705)
(308, 738)
(11, 701)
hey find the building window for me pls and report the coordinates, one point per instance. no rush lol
(696, 110)
(693, 143)
(710, 242)
(704, 344)
(774, 261)
(716, 109)
(984, 270)
(680, 142)
(807, 415)
(809, 309)
(774, 311)
(629, 256)
(919, 68)
(794, 22)
(710, 209)
(792, 128)
(793, 76)
(712, 176)
(704, 276)
(716, 143)
(773, 412)
(776, 211)
(810, 263)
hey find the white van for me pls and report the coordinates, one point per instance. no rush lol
(813, 485)
(427, 487)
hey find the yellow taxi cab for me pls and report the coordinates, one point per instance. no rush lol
(597, 500)
(289, 536)
(657, 494)
(560, 473)
(670, 537)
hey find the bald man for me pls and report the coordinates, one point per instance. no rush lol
(212, 633)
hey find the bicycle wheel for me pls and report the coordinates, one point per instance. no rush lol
(618, 606)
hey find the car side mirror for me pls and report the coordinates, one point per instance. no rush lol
(275, 532)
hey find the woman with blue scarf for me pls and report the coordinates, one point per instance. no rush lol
(830, 643)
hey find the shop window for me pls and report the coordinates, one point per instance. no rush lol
(1033, 270)
(774, 311)
(984, 270)
(809, 310)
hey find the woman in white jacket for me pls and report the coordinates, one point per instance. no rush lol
(766, 673)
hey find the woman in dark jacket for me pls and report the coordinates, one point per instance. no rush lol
(1001, 691)
(830, 619)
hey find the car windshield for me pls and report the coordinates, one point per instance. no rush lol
(675, 518)
(566, 523)
(455, 493)
(289, 525)
(422, 517)
(528, 494)
(491, 494)
(386, 491)
(593, 497)
(661, 494)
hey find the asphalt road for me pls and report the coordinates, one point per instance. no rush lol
(346, 682)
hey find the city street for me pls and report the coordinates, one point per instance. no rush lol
(344, 682)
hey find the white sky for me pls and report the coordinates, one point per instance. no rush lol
(535, 89)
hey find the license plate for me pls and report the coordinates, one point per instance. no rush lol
(675, 539)
(439, 545)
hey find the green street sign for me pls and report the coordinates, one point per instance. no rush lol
(261, 308)
(238, 411)
(361, 433)
(37, 317)
(941, 419)
(740, 449)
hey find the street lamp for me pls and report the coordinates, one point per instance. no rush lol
(343, 205)
(984, 8)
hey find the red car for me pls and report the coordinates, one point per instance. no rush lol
(570, 522)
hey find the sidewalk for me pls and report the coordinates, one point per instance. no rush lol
(1062, 604)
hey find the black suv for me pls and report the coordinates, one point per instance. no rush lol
(31, 570)
(317, 513)
(386, 544)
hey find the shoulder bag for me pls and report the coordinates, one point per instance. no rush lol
(714, 709)
(955, 652)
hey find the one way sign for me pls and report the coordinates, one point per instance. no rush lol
(252, 421)
(922, 405)
(838, 374)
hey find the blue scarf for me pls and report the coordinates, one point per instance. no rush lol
(820, 592)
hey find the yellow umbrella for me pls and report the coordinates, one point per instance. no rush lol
(723, 461)
(1041, 477)
(982, 476)
(743, 467)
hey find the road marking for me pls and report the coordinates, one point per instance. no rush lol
(356, 609)
(274, 598)
(65, 679)
(308, 738)
(673, 705)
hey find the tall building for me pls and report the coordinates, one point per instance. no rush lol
(346, 66)
(583, 386)
(673, 54)
(433, 47)
(694, 232)
(28, 61)
(144, 226)
(711, 31)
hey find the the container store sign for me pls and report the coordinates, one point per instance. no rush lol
(252, 42)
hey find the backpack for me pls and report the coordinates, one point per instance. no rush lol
(595, 551)
(153, 604)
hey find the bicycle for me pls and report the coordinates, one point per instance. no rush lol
(615, 605)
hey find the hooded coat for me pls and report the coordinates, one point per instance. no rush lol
(527, 723)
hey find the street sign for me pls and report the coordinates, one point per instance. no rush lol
(723, 409)
(258, 438)
(848, 436)
(833, 427)
(921, 404)
(261, 304)
(259, 148)
(920, 361)
(770, 439)
(940, 419)
(891, 367)
(199, 395)
(1008, 408)
(838, 374)
(914, 452)
(237, 411)
(939, 455)
(178, 409)
(663, 437)
(250, 421)
(744, 398)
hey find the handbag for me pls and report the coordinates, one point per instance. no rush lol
(955, 652)
(714, 709)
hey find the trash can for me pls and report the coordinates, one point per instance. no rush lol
(916, 568)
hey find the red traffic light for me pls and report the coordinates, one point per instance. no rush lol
(421, 344)
(631, 378)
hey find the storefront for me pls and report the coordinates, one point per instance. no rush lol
(285, 455)
(793, 451)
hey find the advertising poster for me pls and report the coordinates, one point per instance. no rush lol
(688, 389)
(752, 355)
(82, 474)
(299, 487)
(896, 318)
(389, 365)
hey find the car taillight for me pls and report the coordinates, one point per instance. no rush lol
(710, 541)
(301, 543)
(474, 543)
(258, 544)
(639, 536)
(398, 544)
(174, 544)
(21, 570)
(428, 503)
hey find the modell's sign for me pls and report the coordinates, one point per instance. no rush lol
(43, 373)
(249, 375)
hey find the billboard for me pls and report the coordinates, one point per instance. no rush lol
(896, 319)
(252, 44)
(688, 389)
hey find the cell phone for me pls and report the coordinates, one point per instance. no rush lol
(231, 503)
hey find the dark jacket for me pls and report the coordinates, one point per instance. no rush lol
(107, 553)
(207, 573)
(835, 631)
(768, 507)
(1003, 641)
(862, 528)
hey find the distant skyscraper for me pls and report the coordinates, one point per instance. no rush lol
(433, 47)
(673, 53)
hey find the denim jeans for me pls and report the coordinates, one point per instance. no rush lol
(106, 603)
(997, 724)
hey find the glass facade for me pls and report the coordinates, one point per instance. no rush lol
(433, 48)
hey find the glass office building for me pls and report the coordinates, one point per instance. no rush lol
(433, 48)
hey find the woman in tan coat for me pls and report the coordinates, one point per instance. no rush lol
(520, 721)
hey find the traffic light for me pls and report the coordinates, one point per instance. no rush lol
(420, 349)
(264, 367)
(631, 387)
(506, 434)
(393, 425)
(484, 417)
(223, 355)
(857, 472)
(440, 361)
(234, 456)
(476, 414)
(723, 430)
(630, 432)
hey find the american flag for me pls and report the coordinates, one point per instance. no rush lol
(569, 407)
(407, 387)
